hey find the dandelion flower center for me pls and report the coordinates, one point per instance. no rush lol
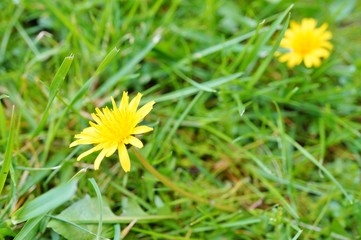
(306, 43)
(113, 129)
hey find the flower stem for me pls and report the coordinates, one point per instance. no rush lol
(176, 188)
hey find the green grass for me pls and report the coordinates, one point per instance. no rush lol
(242, 147)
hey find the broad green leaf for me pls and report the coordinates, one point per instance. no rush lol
(46, 202)
(132, 208)
(80, 220)
(87, 208)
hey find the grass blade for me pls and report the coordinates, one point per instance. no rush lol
(30, 228)
(129, 66)
(193, 90)
(270, 56)
(108, 58)
(3, 127)
(8, 152)
(54, 89)
(319, 165)
(8, 31)
(45, 203)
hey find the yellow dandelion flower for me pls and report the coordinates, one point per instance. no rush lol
(115, 128)
(306, 43)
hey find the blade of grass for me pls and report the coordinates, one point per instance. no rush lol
(176, 188)
(108, 58)
(243, 222)
(22, 106)
(45, 202)
(53, 161)
(276, 193)
(270, 56)
(192, 90)
(27, 39)
(220, 46)
(242, 57)
(198, 162)
(251, 58)
(54, 89)
(287, 166)
(194, 83)
(129, 65)
(157, 235)
(3, 127)
(51, 6)
(8, 31)
(178, 122)
(319, 165)
(30, 228)
(8, 152)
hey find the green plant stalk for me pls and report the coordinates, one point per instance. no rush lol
(176, 188)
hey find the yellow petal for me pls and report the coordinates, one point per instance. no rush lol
(99, 159)
(294, 25)
(143, 111)
(285, 57)
(293, 60)
(308, 24)
(289, 33)
(125, 101)
(79, 142)
(142, 129)
(75, 143)
(135, 142)
(321, 53)
(90, 151)
(317, 62)
(286, 43)
(96, 119)
(111, 150)
(100, 114)
(133, 105)
(327, 45)
(124, 157)
(113, 103)
(326, 36)
(323, 27)
(310, 60)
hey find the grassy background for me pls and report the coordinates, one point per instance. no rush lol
(232, 124)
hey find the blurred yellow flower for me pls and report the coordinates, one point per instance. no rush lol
(305, 42)
(113, 129)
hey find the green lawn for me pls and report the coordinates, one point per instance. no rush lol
(242, 147)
